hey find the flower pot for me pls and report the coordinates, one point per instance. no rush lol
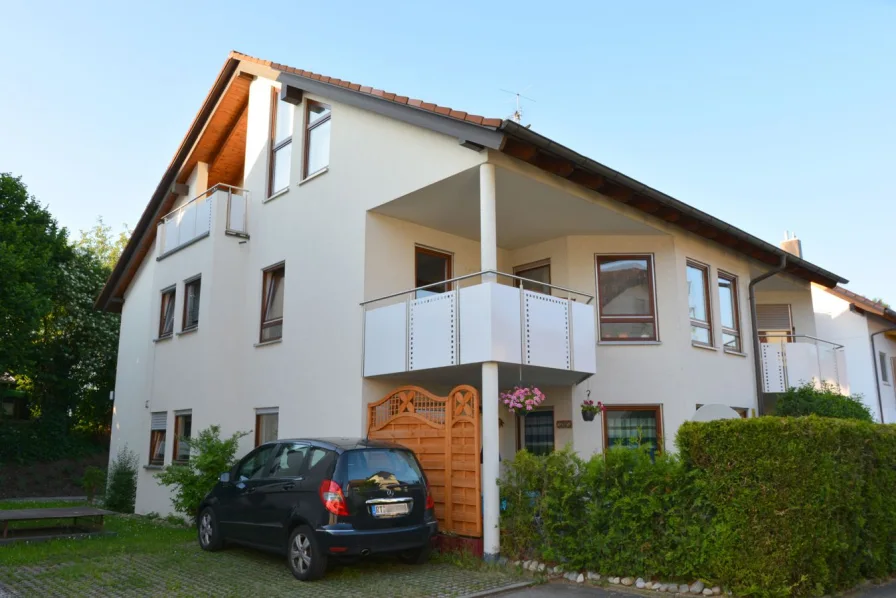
(588, 416)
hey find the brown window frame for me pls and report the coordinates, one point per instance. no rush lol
(169, 298)
(157, 439)
(658, 409)
(707, 300)
(449, 265)
(309, 126)
(178, 417)
(522, 269)
(267, 276)
(274, 146)
(196, 281)
(625, 318)
(735, 311)
(258, 417)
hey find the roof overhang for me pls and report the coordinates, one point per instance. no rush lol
(864, 305)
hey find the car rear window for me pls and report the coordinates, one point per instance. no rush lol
(383, 467)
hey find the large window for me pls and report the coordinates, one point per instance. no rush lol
(774, 323)
(166, 314)
(730, 312)
(539, 271)
(272, 303)
(317, 138)
(538, 431)
(183, 429)
(281, 144)
(633, 425)
(191, 304)
(430, 267)
(267, 423)
(627, 307)
(157, 429)
(698, 304)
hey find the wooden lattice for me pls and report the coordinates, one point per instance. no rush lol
(444, 433)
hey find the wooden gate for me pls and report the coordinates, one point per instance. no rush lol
(444, 432)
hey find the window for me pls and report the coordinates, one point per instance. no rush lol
(627, 306)
(191, 304)
(884, 374)
(272, 303)
(281, 144)
(289, 461)
(157, 428)
(631, 425)
(166, 315)
(730, 312)
(774, 323)
(266, 425)
(252, 465)
(317, 138)
(430, 267)
(183, 424)
(698, 304)
(538, 431)
(540, 271)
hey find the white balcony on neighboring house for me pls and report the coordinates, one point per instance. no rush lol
(474, 319)
(794, 360)
(195, 219)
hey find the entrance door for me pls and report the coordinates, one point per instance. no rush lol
(431, 266)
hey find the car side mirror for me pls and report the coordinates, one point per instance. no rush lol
(225, 477)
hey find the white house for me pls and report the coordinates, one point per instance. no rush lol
(315, 244)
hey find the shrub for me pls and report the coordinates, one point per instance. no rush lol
(93, 479)
(825, 402)
(209, 457)
(121, 489)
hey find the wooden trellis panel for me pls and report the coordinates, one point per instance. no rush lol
(444, 432)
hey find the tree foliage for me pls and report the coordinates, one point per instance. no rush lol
(825, 402)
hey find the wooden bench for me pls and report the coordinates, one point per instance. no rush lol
(73, 513)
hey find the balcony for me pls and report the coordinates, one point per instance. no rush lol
(550, 336)
(793, 360)
(193, 221)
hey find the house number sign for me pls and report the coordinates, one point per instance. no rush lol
(564, 423)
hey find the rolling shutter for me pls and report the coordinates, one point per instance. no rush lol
(774, 317)
(159, 420)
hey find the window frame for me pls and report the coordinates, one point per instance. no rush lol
(157, 438)
(259, 413)
(707, 300)
(274, 145)
(657, 408)
(265, 289)
(169, 301)
(653, 318)
(735, 310)
(521, 426)
(883, 362)
(195, 281)
(521, 269)
(178, 416)
(449, 266)
(309, 127)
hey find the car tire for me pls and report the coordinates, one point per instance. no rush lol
(304, 556)
(415, 556)
(208, 531)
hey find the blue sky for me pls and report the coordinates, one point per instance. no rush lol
(770, 115)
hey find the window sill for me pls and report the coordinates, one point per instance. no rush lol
(314, 175)
(153, 467)
(704, 347)
(623, 343)
(271, 342)
(187, 331)
(279, 193)
(737, 353)
(167, 337)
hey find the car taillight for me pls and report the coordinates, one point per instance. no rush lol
(430, 501)
(331, 496)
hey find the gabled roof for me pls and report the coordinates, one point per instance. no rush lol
(473, 131)
(864, 303)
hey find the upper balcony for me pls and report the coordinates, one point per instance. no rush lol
(546, 335)
(793, 360)
(194, 220)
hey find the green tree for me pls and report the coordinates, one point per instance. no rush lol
(103, 243)
(825, 402)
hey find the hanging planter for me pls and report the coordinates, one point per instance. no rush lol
(590, 409)
(522, 399)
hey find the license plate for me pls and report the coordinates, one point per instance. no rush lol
(390, 510)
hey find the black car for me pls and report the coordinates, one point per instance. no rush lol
(315, 498)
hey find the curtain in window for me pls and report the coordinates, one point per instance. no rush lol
(539, 432)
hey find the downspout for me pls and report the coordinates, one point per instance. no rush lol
(880, 401)
(754, 319)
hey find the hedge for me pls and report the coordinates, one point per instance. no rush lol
(766, 507)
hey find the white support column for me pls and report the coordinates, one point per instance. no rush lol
(491, 499)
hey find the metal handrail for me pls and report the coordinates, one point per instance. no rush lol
(202, 195)
(813, 338)
(475, 274)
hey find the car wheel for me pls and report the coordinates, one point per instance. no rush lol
(209, 533)
(305, 558)
(415, 556)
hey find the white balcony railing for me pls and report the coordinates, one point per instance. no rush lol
(792, 360)
(479, 320)
(193, 220)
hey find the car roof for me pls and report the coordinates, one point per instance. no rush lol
(341, 444)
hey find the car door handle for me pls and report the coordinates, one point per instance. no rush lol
(288, 486)
(250, 490)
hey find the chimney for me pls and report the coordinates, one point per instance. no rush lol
(791, 244)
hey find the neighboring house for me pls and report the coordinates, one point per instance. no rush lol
(274, 281)
(867, 331)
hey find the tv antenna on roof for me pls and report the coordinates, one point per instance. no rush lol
(518, 113)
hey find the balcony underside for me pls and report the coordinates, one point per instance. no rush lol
(509, 375)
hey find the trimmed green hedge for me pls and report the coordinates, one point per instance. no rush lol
(826, 402)
(767, 507)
